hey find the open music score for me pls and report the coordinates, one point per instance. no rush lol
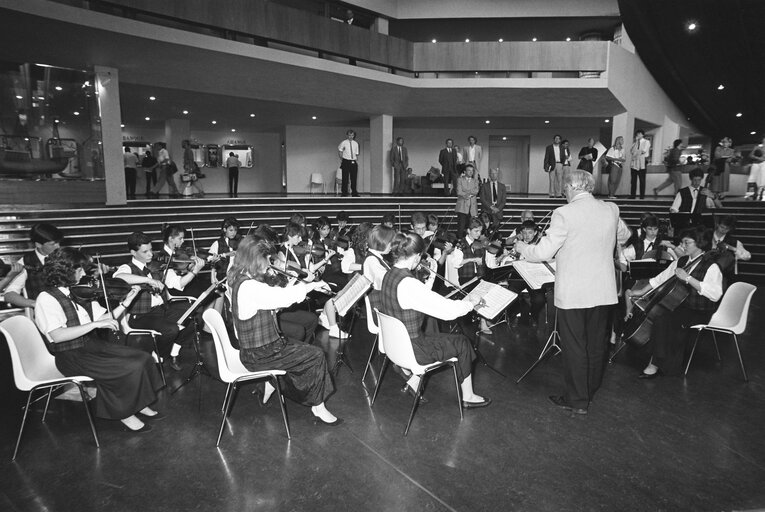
(351, 293)
(495, 299)
(535, 274)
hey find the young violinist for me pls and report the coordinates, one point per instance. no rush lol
(254, 301)
(46, 239)
(702, 278)
(126, 378)
(407, 299)
(222, 250)
(354, 256)
(151, 309)
(428, 269)
(388, 220)
(729, 249)
(468, 259)
(375, 265)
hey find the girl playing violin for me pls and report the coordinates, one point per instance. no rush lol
(254, 303)
(375, 265)
(126, 378)
(354, 256)
(222, 250)
(468, 259)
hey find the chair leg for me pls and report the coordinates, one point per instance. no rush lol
(23, 422)
(225, 414)
(717, 349)
(459, 390)
(47, 403)
(740, 360)
(159, 360)
(281, 404)
(369, 360)
(693, 351)
(225, 398)
(415, 403)
(87, 411)
(379, 378)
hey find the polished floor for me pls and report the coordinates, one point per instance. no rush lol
(693, 443)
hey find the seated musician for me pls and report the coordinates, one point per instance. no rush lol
(151, 309)
(468, 259)
(647, 244)
(693, 199)
(46, 238)
(516, 233)
(222, 250)
(426, 272)
(331, 273)
(388, 220)
(354, 256)
(375, 265)
(254, 301)
(701, 276)
(126, 378)
(407, 299)
(729, 249)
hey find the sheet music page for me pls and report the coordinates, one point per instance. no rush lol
(495, 299)
(535, 274)
(351, 293)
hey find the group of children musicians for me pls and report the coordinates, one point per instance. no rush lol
(278, 291)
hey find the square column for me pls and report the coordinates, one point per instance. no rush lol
(108, 89)
(380, 137)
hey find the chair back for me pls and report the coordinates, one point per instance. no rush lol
(733, 312)
(31, 361)
(398, 346)
(371, 324)
(317, 178)
(229, 365)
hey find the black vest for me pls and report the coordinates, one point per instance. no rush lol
(411, 319)
(221, 266)
(35, 281)
(470, 270)
(686, 200)
(142, 303)
(724, 257)
(696, 301)
(72, 320)
(640, 248)
(258, 331)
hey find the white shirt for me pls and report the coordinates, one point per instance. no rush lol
(18, 283)
(615, 153)
(710, 286)
(255, 295)
(172, 280)
(163, 156)
(556, 151)
(130, 160)
(349, 258)
(49, 315)
(471, 154)
(639, 152)
(374, 270)
(741, 253)
(349, 149)
(695, 195)
(412, 294)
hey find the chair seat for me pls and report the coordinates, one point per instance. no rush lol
(54, 377)
(427, 367)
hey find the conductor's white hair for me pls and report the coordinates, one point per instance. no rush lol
(580, 180)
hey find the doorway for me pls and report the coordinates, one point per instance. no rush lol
(510, 153)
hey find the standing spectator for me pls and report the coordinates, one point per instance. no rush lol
(756, 180)
(191, 168)
(149, 165)
(460, 161)
(638, 156)
(349, 153)
(673, 163)
(722, 158)
(448, 160)
(473, 154)
(131, 164)
(565, 157)
(166, 170)
(493, 197)
(467, 205)
(399, 160)
(553, 166)
(587, 156)
(233, 164)
(615, 159)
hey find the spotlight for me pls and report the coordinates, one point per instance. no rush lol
(720, 87)
(568, 39)
(501, 40)
(76, 113)
(122, 126)
(313, 117)
(752, 133)
(59, 88)
(233, 130)
(433, 41)
(147, 118)
(152, 98)
(467, 40)
(607, 121)
(547, 121)
(739, 114)
(692, 26)
(534, 39)
(185, 112)
(488, 122)
(215, 122)
(252, 115)
(504, 138)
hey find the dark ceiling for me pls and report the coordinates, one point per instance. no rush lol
(727, 48)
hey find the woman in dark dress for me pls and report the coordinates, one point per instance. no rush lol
(587, 156)
(126, 378)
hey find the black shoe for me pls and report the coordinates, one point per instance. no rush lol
(408, 389)
(174, 364)
(475, 405)
(561, 402)
(649, 376)
(356, 195)
(145, 428)
(157, 417)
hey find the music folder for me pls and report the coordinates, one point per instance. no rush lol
(681, 220)
(646, 269)
(351, 293)
(495, 299)
(536, 274)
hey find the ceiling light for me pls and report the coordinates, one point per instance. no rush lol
(752, 133)
(504, 138)
(215, 122)
(147, 118)
(534, 39)
(233, 130)
(501, 40)
(467, 40)
(433, 41)
(739, 114)
(607, 121)
(185, 112)
(488, 122)
(313, 117)
(568, 39)
(152, 98)
(19, 97)
(252, 115)
(122, 126)
(547, 122)
(76, 113)
(59, 88)
(720, 87)
(692, 26)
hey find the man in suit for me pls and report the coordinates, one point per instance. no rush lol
(493, 195)
(399, 160)
(581, 237)
(448, 160)
(553, 166)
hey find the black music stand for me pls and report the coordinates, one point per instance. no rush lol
(551, 349)
(478, 334)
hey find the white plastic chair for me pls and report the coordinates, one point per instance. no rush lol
(317, 179)
(731, 317)
(132, 331)
(233, 372)
(35, 368)
(373, 329)
(338, 181)
(398, 348)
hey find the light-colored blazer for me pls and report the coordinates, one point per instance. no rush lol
(465, 189)
(478, 156)
(581, 237)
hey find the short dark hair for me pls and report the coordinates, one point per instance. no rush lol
(61, 265)
(474, 222)
(419, 218)
(485, 218)
(42, 232)
(323, 221)
(388, 217)
(728, 221)
(557, 135)
(266, 232)
(649, 220)
(405, 245)
(399, 139)
(640, 132)
(342, 216)
(433, 219)
(699, 234)
(529, 224)
(696, 172)
(297, 218)
(293, 229)
(136, 240)
(473, 137)
(677, 142)
(380, 237)
(228, 222)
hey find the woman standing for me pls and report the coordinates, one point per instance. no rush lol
(615, 159)
(722, 158)
(126, 378)
(587, 156)
(467, 199)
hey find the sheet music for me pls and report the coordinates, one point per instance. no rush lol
(495, 299)
(535, 274)
(351, 293)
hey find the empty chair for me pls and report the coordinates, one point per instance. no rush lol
(233, 372)
(397, 347)
(35, 368)
(317, 179)
(731, 317)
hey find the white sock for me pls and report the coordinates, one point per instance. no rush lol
(175, 350)
(132, 423)
(148, 411)
(268, 391)
(320, 411)
(651, 369)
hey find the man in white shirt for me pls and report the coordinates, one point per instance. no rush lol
(582, 236)
(349, 154)
(131, 164)
(46, 239)
(693, 199)
(553, 166)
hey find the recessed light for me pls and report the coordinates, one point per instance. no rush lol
(76, 113)
(185, 112)
(739, 114)
(752, 133)
(122, 126)
(59, 88)
(433, 41)
(147, 118)
(568, 39)
(488, 122)
(504, 138)
(233, 130)
(547, 122)
(215, 122)
(467, 40)
(501, 40)
(252, 115)
(720, 87)
(152, 98)
(692, 26)
(18, 97)
(313, 117)
(607, 121)
(534, 39)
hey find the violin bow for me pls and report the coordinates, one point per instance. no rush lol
(118, 332)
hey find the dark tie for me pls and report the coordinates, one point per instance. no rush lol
(493, 191)
(650, 246)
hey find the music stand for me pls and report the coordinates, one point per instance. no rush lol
(494, 302)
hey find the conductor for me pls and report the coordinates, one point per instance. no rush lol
(581, 237)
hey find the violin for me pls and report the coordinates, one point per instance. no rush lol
(180, 262)
(90, 289)
(440, 240)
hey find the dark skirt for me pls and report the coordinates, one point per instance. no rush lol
(126, 378)
(670, 334)
(307, 380)
(431, 348)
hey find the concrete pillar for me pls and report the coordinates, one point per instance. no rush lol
(176, 131)
(380, 26)
(108, 88)
(380, 138)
